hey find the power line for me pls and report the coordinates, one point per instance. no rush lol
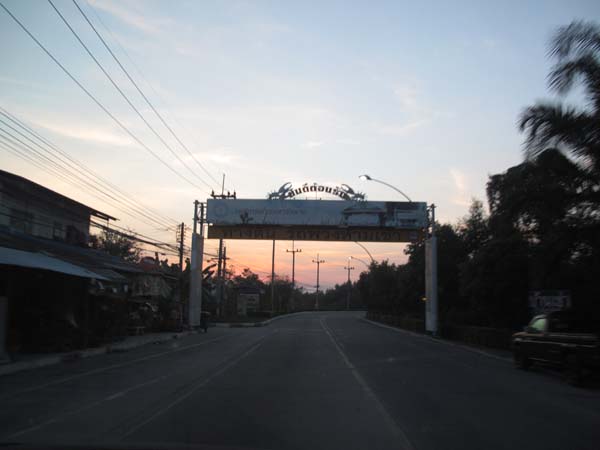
(41, 204)
(79, 180)
(125, 230)
(39, 220)
(142, 93)
(116, 86)
(29, 159)
(134, 237)
(107, 184)
(159, 245)
(73, 179)
(95, 100)
(148, 84)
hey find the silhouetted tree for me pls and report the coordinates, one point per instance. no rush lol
(116, 244)
(576, 130)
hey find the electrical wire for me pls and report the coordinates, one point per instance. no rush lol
(148, 102)
(159, 245)
(75, 177)
(228, 186)
(114, 227)
(41, 204)
(81, 167)
(95, 100)
(58, 170)
(125, 97)
(134, 237)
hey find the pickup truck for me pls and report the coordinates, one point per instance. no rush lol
(560, 339)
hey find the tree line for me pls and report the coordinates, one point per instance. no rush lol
(542, 230)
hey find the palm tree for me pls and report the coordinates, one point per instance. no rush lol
(553, 124)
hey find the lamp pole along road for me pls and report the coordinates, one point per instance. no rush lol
(369, 178)
(349, 268)
(431, 281)
(318, 262)
(293, 251)
(361, 260)
(366, 250)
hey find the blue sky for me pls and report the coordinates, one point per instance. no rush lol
(424, 95)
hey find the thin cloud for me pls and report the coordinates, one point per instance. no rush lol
(90, 134)
(218, 156)
(489, 43)
(461, 197)
(314, 144)
(345, 141)
(129, 17)
(21, 83)
(400, 129)
(406, 96)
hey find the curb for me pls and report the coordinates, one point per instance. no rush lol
(77, 355)
(257, 324)
(439, 340)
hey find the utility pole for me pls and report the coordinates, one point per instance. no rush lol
(219, 274)
(220, 271)
(349, 268)
(318, 262)
(293, 251)
(195, 297)
(223, 274)
(273, 280)
(181, 239)
(431, 281)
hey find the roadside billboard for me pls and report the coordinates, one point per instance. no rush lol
(316, 220)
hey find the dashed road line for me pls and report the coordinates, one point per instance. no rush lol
(60, 417)
(196, 387)
(388, 419)
(439, 341)
(106, 368)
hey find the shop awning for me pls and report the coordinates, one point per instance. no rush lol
(20, 258)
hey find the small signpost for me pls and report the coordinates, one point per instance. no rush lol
(547, 301)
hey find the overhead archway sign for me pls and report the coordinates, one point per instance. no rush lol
(316, 220)
(285, 217)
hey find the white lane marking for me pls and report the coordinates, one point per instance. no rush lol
(388, 419)
(114, 366)
(438, 341)
(86, 407)
(199, 385)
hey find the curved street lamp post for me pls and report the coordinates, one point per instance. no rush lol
(361, 260)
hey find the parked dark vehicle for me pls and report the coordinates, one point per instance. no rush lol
(561, 339)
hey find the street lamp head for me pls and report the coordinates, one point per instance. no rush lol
(365, 177)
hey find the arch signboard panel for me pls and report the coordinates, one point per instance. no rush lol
(316, 220)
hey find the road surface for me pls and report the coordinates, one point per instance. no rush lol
(307, 381)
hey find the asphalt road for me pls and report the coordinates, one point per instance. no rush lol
(308, 381)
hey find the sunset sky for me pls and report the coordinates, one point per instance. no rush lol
(423, 95)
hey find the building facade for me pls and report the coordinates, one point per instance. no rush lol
(35, 210)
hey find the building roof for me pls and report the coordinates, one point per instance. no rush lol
(57, 256)
(21, 184)
(20, 258)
